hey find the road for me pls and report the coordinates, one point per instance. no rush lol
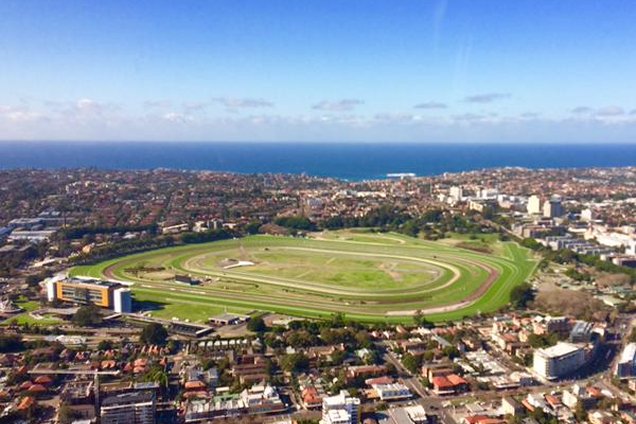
(432, 404)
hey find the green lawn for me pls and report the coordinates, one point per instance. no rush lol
(25, 317)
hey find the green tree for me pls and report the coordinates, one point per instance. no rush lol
(521, 295)
(87, 316)
(154, 334)
(294, 362)
(105, 345)
(11, 343)
(412, 363)
(257, 325)
(66, 415)
(420, 320)
(580, 413)
(253, 227)
(372, 358)
(531, 243)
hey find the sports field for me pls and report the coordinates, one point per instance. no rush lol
(368, 276)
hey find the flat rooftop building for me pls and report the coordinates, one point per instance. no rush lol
(340, 409)
(105, 294)
(136, 407)
(557, 361)
(626, 366)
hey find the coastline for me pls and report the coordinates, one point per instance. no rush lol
(346, 161)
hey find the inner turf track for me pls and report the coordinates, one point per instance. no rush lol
(370, 277)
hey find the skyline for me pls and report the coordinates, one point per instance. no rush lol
(433, 71)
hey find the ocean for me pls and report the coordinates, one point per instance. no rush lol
(350, 161)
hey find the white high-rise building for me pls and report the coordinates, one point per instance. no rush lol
(626, 366)
(534, 205)
(135, 407)
(122, 300)
(587, 215)
(456, 193)
(340, 409)
(50, 290)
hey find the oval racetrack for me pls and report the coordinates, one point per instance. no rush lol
(367, 276)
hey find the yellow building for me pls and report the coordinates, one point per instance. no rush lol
(104, 294)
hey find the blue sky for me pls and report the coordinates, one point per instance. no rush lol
(323, 70)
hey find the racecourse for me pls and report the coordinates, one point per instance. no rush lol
(372, 277)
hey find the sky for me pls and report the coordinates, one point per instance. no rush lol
(518, 71)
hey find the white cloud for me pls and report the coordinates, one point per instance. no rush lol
(430, 105)
(90, 119)
(343, 105)
(195, 106)
(486, 97)
(19, 114)
(157, 104)
(582, 110)
(176, 117)
(609, 111)
(241, 103)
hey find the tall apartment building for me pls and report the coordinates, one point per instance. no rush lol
(129, 408)
(534, 205)
(104, 294)
(553, 208)
(557, 361)
(456, 193)
(340, 409)
(626, 366)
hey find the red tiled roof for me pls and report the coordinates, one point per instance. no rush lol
(195, 394)
(552, 400)
(380, 380)
(37, 388)
(26, 403)
(456, 380)
(43, 379)
(310, 396)
(442, 383)
(474, 419)
(194, 385)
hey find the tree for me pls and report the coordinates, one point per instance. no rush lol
(66, 415)
(105, 345)
(420, 320)
(256, 324)
(154, 334)
(521, 295)
(372, 358)
(87, 316)
(531, 243)
(580, 412)
(411, 363)
(253, 227)
(157, 375)
(11, 343)
(451, 352)
(296, 223)
(294, 362)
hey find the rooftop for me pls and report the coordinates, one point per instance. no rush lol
(628, 353)
(558, 350)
